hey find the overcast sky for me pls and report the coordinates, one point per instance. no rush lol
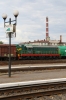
(31, 22)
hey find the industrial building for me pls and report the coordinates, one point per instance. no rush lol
(47, 40)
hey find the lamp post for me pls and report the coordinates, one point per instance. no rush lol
(4, 16)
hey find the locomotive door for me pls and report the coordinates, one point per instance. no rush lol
(30, 50)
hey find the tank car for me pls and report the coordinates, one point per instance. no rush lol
(62, 51)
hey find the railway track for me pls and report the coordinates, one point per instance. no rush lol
(33, 90)
(33, 61)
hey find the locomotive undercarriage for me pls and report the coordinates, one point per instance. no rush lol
(38, 57)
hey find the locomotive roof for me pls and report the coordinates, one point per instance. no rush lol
(31, 46)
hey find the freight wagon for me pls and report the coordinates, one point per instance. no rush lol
(4, 52)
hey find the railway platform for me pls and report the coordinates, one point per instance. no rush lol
(20, 76)
(32, 65)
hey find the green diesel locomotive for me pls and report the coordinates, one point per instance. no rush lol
(40, 52)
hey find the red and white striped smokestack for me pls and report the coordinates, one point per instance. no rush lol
(47, 29)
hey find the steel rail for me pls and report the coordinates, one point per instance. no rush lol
(33, 90)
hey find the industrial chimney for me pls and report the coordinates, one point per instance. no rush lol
(60, 38)
(47, 30)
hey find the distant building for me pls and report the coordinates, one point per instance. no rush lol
(46, 41)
